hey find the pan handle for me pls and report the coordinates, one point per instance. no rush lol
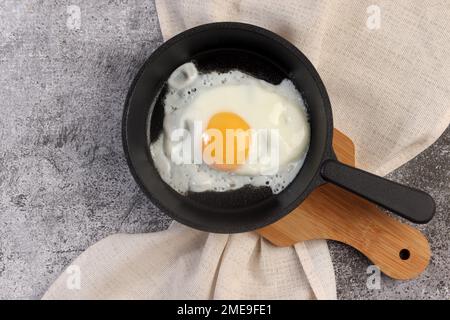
(412, 204)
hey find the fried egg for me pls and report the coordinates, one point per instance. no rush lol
(223, 131)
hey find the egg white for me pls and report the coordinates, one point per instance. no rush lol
(261, 104)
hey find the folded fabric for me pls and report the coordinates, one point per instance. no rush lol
(183, 263)
(388, 80)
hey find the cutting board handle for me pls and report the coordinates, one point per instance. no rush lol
(330, 212)
(399, 250)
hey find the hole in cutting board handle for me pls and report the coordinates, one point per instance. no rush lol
(404, 254)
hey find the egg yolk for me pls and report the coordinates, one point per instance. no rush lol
(226, 141)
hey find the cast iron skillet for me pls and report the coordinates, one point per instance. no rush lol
(270, 57)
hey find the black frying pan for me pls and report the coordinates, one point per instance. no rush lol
(267, 56)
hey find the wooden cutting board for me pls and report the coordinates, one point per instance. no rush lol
(329, 212)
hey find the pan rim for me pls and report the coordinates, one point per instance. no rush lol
(326, 153)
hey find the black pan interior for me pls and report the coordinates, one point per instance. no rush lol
(224, 46)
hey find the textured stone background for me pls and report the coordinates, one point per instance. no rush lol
(64, 183)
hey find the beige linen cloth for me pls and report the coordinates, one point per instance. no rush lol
(389, 84)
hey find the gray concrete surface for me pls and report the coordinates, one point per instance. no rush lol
(64, 183)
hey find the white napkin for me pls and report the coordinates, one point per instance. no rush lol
(389, 88)
(182, 263)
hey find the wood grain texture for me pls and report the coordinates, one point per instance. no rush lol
(399, 250)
